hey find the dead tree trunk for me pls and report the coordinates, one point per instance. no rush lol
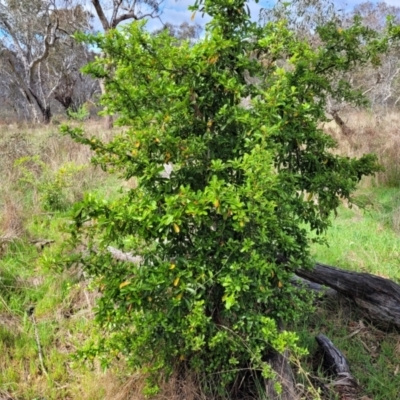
(284, 375)
(378, 297)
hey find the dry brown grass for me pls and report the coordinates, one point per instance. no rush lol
(131, 388)
(11, 218)
(372, 133)
(53, 151)
(11, 221)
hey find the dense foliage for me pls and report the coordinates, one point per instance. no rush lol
(229, 192)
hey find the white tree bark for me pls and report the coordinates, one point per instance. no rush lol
(29, 31)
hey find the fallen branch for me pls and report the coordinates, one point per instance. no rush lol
(40, 244)
(37, 338)
(315, 287)
(378, 297)
(335, 363)
(122, 256)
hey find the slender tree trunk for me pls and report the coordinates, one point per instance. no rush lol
(46, 114)
(34, 112)
(108, 119)
(45, 110)
(32, 98)
(342, 125)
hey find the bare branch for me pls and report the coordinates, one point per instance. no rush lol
(51, 33)
(130, 12)
(122, 256)
(101, 15)
(132, 15)
(117, 4)
(11, 32)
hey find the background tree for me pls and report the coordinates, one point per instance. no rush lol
(382, 84)
(379, 80)
(12, 102)
(184, 31)
(112, 13)
(33, 34)
(219, 237)
(73, 87)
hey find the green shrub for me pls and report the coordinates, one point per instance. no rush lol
(81, 114)
(54, 187)
(221, 234)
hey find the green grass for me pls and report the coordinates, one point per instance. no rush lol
(366, 240)
(363, 240)
(31, 277)
(63, 315)
(373, 355)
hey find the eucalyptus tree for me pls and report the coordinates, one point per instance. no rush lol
(33, 34)
(380, 84)
(184, 31)
(111, 13)
(378, 79)
(73, 87)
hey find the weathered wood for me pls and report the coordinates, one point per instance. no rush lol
(335, 363)
(315, 287)
(280, 364)
(40, 244)
(378, 297)
(124, 256)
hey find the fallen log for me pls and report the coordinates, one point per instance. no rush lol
(378, 297)
(322, 290)
(335, 363)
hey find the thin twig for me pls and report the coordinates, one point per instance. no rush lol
(38, 344)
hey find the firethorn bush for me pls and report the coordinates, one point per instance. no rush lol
(235, 178)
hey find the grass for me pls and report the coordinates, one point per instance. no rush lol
(43, 174)
(363, 238)
(373, 355)
(34, 205)
(366, 240)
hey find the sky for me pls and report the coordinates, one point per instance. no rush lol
(176, 11)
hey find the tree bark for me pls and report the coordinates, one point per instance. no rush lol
(342, 125)
(335, 363)
(378, 297)
(280, 364)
